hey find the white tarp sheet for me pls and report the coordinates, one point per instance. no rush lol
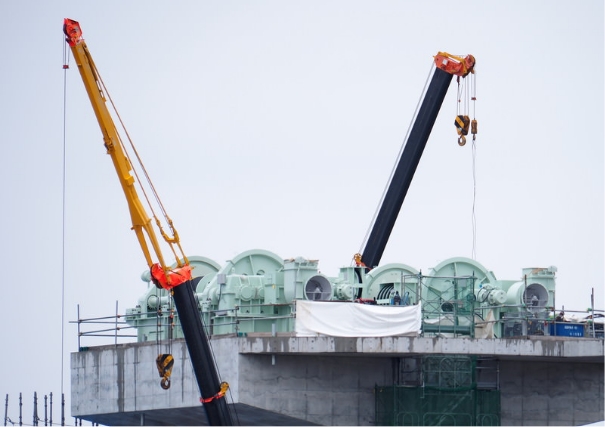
(348, 319)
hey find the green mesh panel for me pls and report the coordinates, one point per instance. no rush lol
(449, 396)
(421, 406)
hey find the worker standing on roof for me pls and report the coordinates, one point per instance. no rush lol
(397, 298)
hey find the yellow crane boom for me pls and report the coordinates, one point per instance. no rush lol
(141, 223)
(178, 280)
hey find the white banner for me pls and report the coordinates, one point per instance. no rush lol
(348, 319)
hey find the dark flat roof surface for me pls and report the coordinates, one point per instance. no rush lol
(244, 415)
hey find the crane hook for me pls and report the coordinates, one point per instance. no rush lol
(164, 364)
(462, 123)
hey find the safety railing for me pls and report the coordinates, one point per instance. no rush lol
(521, 321)
(116, 328)
(575, 324)
(103, 327)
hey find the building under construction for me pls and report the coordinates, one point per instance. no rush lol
(268, 340)
(452, 356)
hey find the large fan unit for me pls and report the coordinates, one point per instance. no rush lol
(318, 288)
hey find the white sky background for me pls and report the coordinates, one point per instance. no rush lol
(275, 125)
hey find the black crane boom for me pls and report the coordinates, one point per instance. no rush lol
(447, 66)
(201, 356)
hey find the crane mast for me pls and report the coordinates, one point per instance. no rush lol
(176, 280)
(446, 67)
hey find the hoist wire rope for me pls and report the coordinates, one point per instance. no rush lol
(162, 325)
(474, 92)
(462, 101)
(65, 67)
(473, 217)
(165, 321)
(469, 89)
(170, 240)
(466, 92)
(466, 99)
(158, 329)
(136, 153)
(458, 96)
(171, 323)
(405, 139)
(473, 83)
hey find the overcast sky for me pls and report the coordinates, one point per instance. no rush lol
(275, 125)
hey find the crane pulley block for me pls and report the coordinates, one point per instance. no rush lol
(474, 128)
(164, 363)
(455, 65)
(169, 278)
(462, 124)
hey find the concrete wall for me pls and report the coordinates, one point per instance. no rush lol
(112, 379)
(325, 390)
(538, 347)
(331, 381)
(551, 394)
(339, 390)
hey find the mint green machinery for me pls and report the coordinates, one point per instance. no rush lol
(460, 296)
(457, 295)
(529, 302)
(256, 291)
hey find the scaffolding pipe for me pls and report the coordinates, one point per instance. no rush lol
(35, 409)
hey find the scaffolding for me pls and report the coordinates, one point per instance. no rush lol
(36, 419)
(448, 305)
(441, 390)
